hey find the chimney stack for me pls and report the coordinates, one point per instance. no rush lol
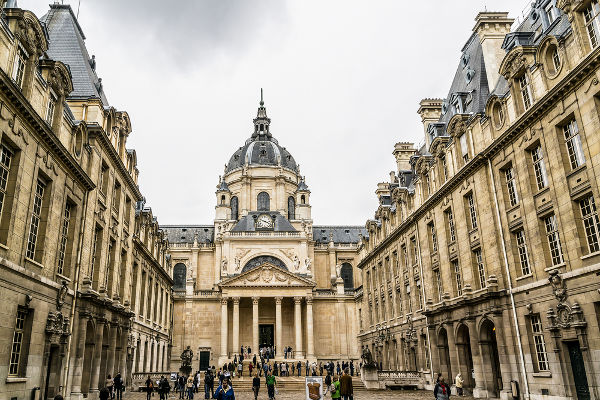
(492, 27)
(430, 111)
(403, 151)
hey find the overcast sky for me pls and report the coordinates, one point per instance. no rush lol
(342, 82)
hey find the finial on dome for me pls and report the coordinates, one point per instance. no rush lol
(262, 103)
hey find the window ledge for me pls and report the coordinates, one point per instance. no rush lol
(513, 208)
(524, 277)
(3, 246)
(15, 379)
(62, 277)
(37, 264)
(553, 267)
(590, 255)
(542, 374)
(576, 170)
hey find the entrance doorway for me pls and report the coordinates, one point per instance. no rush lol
(204, 360)
(491, 359)
(52, 373)
(265, 335)
(579, 378)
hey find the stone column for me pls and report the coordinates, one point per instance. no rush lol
(255, 324)
(78, 365)
(310, 349)
(95, 373)
(298, 325)
(278, 326)
(236, 325)
(123, 362)
(112, 348)
(453, 368)
(479, 390)
(159, 357)
(224, 328)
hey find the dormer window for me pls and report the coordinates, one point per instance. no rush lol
(51, 106)
(525, 90)
(592, 22)
(464, 148)
(551, 13)
(19, 66)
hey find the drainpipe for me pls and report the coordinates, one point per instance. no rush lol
(510, 289)
(75, 290)
(425, 302)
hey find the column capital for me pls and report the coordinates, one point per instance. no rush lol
(236, 300)
(224, 300)
(278, 300)
(255, 299)
(298, 299)
(309, 299)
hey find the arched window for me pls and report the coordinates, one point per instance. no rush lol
(222, 199)
(291, 208)
(303, 199)
(234, 208)
(346, 275)
(264, 203)
(179, 272)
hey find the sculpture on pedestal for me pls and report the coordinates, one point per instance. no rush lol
(186, 361)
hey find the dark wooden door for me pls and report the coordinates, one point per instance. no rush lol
(204, 360)
(581, 384)
(265, 335)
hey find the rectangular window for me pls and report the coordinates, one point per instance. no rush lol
(64, 237)
(36, 214)
(551, 13)
(540, 344)
(51, 106)
(464, 148)
(409, 309)
(511, 186)
(592, 22)
(472, 210)
(433, 237)
(525, 90)
(104, 178)
(116, 200)
(444, 168)
(553, 239)
(413, 242)
(127, 210)
(5, 159)
(419, 294)
(96, 245)
(405, 256)
(450, 223)
(438, 284)
(19, 66)
(457, 277)
(17, 344)
(523, 254)
(591, 223)
(539, 167)
(573, 143)
(480, 268)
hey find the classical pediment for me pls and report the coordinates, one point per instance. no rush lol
(267, 275)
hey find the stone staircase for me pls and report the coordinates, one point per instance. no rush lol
(287, 383)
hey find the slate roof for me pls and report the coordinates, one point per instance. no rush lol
(67, 44)
(261, 152)
(341, 234)
(185, 233)
(246, 223)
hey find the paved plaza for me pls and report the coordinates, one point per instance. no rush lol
(298, 395)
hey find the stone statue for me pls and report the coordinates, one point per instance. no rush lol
(296, 263)
(186, 360)
(224, 265)
(238, 266)
(62, 294)
(338, 270)
(307, 263)
(367, 358)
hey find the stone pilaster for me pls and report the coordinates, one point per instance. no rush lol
(298, 324)
(310, 347)
(95, 373)
(78, 365)
(236, 325)
(255, 301)
(278, 326)
(224, 329)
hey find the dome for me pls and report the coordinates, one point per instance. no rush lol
(261, 152)
(261, 148)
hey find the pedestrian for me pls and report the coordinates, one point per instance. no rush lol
(109, 386)
(190, 387)
(458, 382)
(271, 382)
(224, 391)
(299, 367)
(240, 368)
(207, 375)
(104, 394)
(346, 388)
(442, 390)
(149, 388)
(328, 381)
(164, 388)
(181, 386)
(335, 389)
(250, 368)
(255, 386)
(439, 375)
(351, 368)
(196, 379)
(118, 386)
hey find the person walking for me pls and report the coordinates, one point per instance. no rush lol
(271, 382)
(104, 394)
(299, 368)
(458, 382)
(190, 387)
(351, 368)
(118, 386)
(346, 388)
(109, 386)
(149, 388)
(164, 388)
(181, 386)
(207, 376)
(255, 386)
(335, 393)
(240, 368)
(328, 381)
(441, 390)
(224, 391)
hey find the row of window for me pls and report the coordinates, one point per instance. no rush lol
(263, 202)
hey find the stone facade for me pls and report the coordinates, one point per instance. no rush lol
(71, 236)
(483, 256)
(263, 274)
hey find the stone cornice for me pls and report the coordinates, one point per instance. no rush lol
(572, 80)
(43, 131)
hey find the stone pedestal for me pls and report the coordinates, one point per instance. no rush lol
(339, 286)
(368, 376)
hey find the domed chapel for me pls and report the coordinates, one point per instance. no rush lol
(262, 275)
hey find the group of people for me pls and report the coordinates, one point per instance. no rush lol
(442, 389)
(339, 387)
(113, 387)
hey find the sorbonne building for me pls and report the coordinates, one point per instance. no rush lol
(262, 275)
(483, 257)
(84, 275)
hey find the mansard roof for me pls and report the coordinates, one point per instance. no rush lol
(67, 44)
(246, 223)
(339, 234)
(186, 233)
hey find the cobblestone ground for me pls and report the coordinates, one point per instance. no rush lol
(294, 395)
